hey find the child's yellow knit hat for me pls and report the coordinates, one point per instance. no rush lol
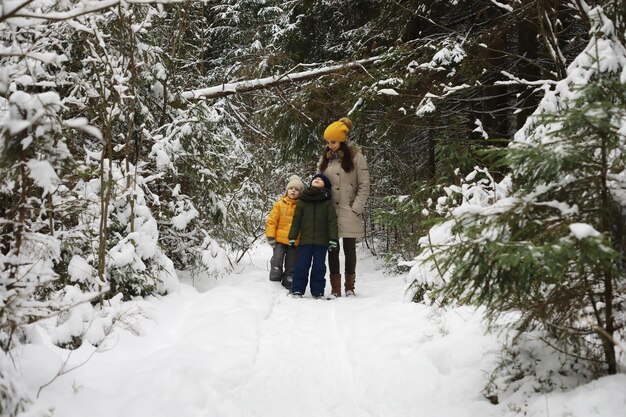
(337, 131)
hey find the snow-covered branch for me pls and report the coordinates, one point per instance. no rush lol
(228, 89)
(503, 6)
(513, 80)
(84, 7)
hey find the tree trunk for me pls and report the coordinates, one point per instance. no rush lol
(431, 167)
(605, 224)
(527, 47)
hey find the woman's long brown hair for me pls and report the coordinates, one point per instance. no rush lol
(343, 152)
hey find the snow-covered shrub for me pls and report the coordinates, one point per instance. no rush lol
(206, 180)
(475, 193)
(88, 323)
(526, 367)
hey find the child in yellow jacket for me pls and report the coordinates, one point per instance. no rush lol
(277, 233)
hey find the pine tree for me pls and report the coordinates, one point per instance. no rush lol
(556, 249)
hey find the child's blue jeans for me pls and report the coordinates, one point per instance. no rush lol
(307, 255)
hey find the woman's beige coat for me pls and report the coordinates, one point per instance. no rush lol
(349, 193)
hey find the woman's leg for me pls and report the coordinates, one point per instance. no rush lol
(333, 259)
(333, 266)
(349, 250)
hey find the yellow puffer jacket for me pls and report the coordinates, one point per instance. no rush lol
(279, 221)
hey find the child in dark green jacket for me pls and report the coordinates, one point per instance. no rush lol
(315, 220)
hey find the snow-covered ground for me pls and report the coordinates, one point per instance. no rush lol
(243, 348)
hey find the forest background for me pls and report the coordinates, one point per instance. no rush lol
(145, 140)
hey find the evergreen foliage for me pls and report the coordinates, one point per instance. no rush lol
(555, 249)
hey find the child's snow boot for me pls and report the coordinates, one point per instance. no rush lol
(276, 273)
(286, 281)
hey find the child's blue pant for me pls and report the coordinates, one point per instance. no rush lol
(308, 254)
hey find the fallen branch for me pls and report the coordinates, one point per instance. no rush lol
(228, 89)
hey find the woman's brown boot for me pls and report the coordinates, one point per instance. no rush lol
(350, 278)
(335, 285)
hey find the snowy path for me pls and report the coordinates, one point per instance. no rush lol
(243, 348)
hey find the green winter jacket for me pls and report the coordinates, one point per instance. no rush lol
(314, 219)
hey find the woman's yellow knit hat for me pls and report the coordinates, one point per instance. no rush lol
(337, 131)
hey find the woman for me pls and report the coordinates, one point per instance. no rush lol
(346, 168)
